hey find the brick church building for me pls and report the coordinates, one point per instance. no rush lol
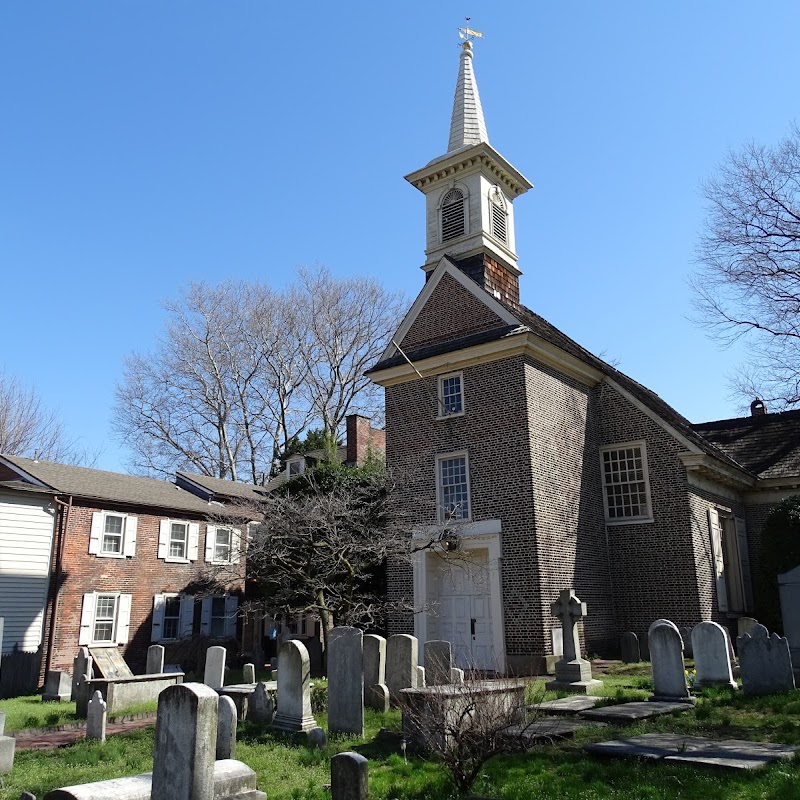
(551, 468)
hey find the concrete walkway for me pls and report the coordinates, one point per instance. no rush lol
(46, 738)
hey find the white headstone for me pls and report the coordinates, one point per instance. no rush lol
(57, 687)
(765, 662)
(96, 718)
(557, 639)
(155, 659)
(666, 658)
(345, 681)
(294, 689)
(712, 660)
(226, 729)
(456, 675)
(249, 673)
(402, 660)
(375, 689)
(214, 675)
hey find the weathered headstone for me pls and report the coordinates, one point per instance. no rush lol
(261, 706)
(349, 777)
(666, 659)
(2, 722)
(81, 671)
(402, 655)
(573, 673)
(155, 659)
(765, 662)
(745, 625)
(345, 681)
(456, 675)
(789, 589)
(57, 687)
(630, 648)
(214, 675)
(686, 636)
(421, 680)
(7, 746)
(294, 689)
(376, 693)
(249, 673)
(226, 729)
(96, 718)
(438, 657)
(317, 738)
(185, 743)
(712, 660)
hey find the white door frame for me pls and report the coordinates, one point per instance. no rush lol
(472, 536)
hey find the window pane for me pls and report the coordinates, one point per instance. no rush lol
(172, 613)
(217, 617)
(453, 488)
(104, 614)
(625, 485)
(112, 534)
(452, 402)
(177, 540)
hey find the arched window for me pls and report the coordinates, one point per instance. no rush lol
(453, 217)
(499, 217)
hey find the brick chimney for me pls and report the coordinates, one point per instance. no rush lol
(757, 408)
(362, 439)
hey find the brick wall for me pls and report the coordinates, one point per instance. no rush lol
(363, 440)
(143, 576)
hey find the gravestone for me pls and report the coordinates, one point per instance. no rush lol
(7, 746)
(226, 729)
(185, 743)
(456, 675)
(349, 777)
(2, 722)
(317, 738)
(57, 687)
(402, 656)
(96, 718)
(745, 625)
(630, 648)
(345, 681)
(438, 657)
(155, 660)
(81, 671)
(686, 636)
(376, 693)
(249, 673)
(573, 673)
(765, 662)
(214, 675)
(666, 659)
(712, 659)
(420, 676)
(261, 706)
(294, 689)
(789, 589)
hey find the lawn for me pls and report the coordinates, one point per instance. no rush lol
(288, 770)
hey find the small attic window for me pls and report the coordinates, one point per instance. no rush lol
(453, 216)
(499, 216)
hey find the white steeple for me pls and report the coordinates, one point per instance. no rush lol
(469, 193)
(467, 125)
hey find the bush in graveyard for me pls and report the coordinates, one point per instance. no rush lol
(780, 551)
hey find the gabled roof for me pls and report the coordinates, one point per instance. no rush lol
(219, 488)
(768, 444)
(109, 487)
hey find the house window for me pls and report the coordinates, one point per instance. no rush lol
(498, 216)
(294, 468)
(105, 618)
(626, 488)
(222, 545)
(170, 627)
(217, 617)
(177, 540)
(453, 487)
(112, 535)
(453, 216)
(451, 395)
(113, 532)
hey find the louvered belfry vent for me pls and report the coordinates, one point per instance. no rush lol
(453, 215)
(499, 222)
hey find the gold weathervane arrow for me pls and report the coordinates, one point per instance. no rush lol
(468, 33)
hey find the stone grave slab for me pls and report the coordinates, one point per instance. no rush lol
(548, 728)
(110, 663)
(631, 712)
(649, 745)
(568, 705)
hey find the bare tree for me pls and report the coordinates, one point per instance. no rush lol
(242, 369)
(748, 283)
(28, 428)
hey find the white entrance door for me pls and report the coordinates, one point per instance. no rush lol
(461, 609)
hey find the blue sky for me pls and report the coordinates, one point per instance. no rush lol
(146, 144)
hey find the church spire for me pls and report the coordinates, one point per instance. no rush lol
(467, 125)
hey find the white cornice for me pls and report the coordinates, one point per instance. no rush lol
(710, 467)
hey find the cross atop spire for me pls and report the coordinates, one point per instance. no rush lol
(467, 126)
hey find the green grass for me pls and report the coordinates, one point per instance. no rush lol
(288, 770)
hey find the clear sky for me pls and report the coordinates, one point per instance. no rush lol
(145, 144)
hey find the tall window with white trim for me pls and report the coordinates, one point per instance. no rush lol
(112, 534)
(105, 618)
(626, 487)
(113, 531)
(451, 395)
(453, 487)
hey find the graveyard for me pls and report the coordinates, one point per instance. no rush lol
(692, 721)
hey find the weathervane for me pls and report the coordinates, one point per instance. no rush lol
(467, 33)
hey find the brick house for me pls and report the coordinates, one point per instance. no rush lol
(541, 463)
(104, 559)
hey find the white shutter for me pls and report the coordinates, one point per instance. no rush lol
(96, 533)
(744, 560)
(124, 618)
(87, 619)
(205, 617)
(231, 605)
(186, 622)
(158, 617)
(163, 538)
(236, 538)
(211, 535)
(715, 528)
(131, 527)
(194, 539)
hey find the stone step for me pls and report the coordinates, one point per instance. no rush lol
(632, 712)
(567, 706)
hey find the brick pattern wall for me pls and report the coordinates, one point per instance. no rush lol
(143, 576)
(363, 440)
(450, 313)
